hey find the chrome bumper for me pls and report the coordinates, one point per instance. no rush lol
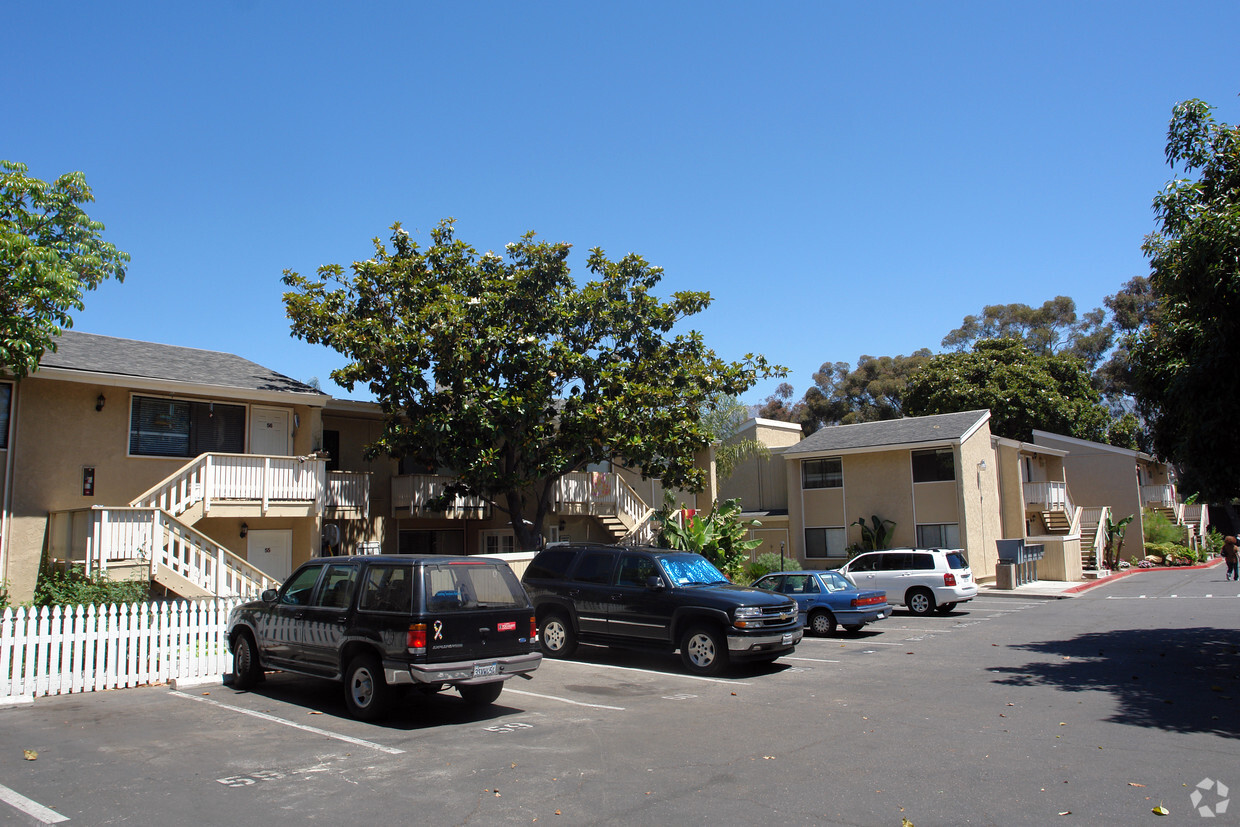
(461, 671)
(757, 643)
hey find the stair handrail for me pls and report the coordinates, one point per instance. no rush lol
(151, 497)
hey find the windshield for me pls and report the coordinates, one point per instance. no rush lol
(690, 570)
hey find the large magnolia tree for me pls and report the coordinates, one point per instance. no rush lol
(507, 372)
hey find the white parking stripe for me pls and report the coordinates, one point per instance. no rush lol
(650, 672)
(811, 660)
(906, 629)
(264, 716)
(31, 808)
(562, 700)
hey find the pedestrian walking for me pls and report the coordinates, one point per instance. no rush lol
(1232, 557)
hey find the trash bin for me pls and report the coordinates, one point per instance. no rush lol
(1005, 576)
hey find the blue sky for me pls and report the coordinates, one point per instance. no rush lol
(845, 179)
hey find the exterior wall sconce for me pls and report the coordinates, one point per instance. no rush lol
(245, 529)
(981, 466)
(99, 402)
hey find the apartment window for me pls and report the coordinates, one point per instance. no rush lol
(498, 542)
(941, 535)
(822, 473)
(938, 465)
(6, 400)
(825, 542)
(161, 427)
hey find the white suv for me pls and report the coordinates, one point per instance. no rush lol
(922, 579)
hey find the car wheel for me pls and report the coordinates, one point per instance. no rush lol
(919, 601)
(822, 622)
(247, 671)
(556, 637)
(365, 690)
(945, 608)
(704, 650)
(853, 627)
(481, 694)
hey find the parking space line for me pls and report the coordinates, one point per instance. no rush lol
(654, 672)
(31, 808)
(904, 629)
(874, 643)
(561, 700)
(811, 660)
(272, 718)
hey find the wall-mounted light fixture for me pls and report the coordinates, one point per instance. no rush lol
(245, 529)
(99, 402)
(981, 465)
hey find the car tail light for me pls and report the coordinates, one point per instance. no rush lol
(533, 627)
(868, 601)
(416, 639)
(949, 579)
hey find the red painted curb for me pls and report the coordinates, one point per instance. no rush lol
(1134, 570)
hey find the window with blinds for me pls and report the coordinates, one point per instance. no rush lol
(184, 428)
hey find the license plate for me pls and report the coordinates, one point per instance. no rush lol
(787, 638)
(881, 615)
(483, 670)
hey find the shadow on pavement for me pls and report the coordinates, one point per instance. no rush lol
(1178, 680)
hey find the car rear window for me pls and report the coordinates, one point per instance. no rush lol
(956, 560)
(387, 588)
(551, 564)
(464, 586)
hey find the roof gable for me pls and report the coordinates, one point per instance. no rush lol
(911, 430)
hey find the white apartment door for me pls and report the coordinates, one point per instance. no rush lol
(269, 431)
(271, 551)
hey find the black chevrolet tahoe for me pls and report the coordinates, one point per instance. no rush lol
(646, 597)
(377, 623)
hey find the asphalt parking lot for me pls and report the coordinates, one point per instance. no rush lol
(1008, 711)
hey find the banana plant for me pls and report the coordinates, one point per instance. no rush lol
(877, 537)
(1114, 540)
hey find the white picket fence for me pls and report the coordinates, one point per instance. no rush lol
(58, 650)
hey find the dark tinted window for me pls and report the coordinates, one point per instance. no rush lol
(938, 465)
(551, 564)
(895, 561)
(595, 567)
(922, 562)
(770, 584)
(181, 428)
(387, 588)
(957, 561)
(337, 588)
(635, 569)
(822, 473)
(866, 562)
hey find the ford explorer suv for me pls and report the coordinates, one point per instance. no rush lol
(658, 599)
(922, 579)
(378, 623)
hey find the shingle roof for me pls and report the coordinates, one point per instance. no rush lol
(908, 431)
(91, 353)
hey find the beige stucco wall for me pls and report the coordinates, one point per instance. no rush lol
(1010, 478)
(57, 432)
(981, 520)
(1100, 477)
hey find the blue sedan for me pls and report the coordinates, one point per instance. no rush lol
(826, 599)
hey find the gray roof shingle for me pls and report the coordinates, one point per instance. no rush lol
(908, 431)
(91, 353)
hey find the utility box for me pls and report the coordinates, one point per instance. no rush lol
(1005, 576)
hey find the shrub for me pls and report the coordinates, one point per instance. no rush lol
(74, 587)
(1160, 530)
(769, 562)
(1173, 554)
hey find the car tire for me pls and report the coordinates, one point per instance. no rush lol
(247, 671)
(919, 601)
(704, 650)
(945, 608)
(556, 637)
(365, 691)
(481, 694)
(821, 622)
(853, 627)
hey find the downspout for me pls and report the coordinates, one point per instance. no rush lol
(7, 515)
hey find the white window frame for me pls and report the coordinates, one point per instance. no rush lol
(501, 537)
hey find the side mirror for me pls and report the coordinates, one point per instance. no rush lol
(655, 583)
(268, 595)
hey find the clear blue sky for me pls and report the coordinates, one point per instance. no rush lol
(844, 179)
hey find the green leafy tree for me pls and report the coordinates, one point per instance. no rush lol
(1050, 330)
(1023, 390)
(504, 370)
(877, 536)
(722, 419)
(1183, 362)
(843, 395)
(51, 253)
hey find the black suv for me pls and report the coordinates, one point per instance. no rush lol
(380, 622)
(644, 597)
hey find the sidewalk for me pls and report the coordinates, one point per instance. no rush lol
(1061, 589)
